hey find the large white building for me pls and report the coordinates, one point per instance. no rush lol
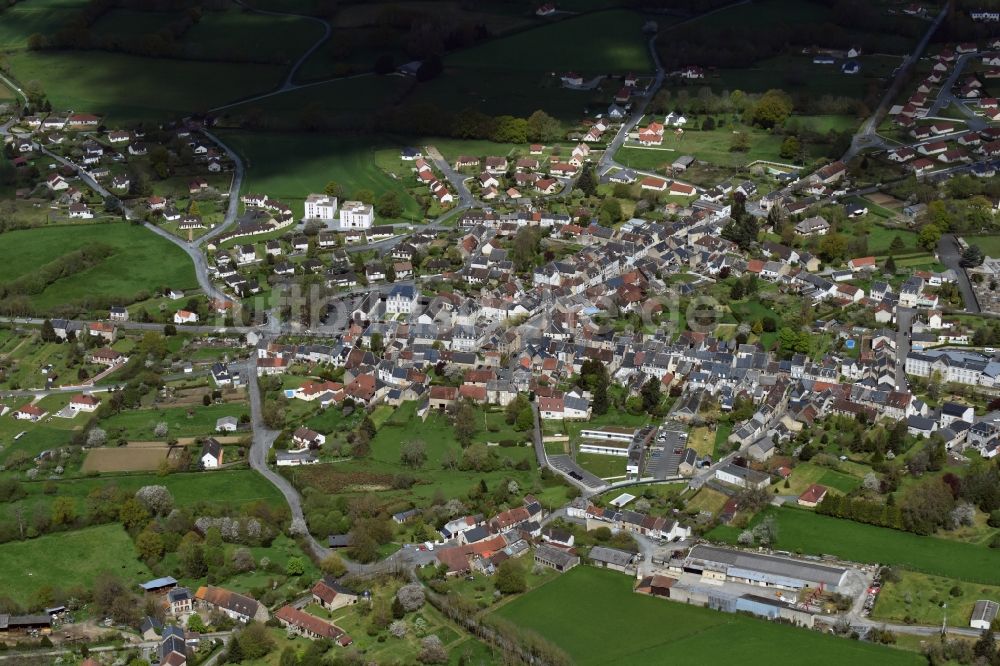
(356, 215)
(321, 207)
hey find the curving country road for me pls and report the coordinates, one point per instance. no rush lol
(867, 136)
(234, 191)
(289, 82)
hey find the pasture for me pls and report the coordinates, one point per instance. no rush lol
(226, 35)
(130, 89)
(514, 92)
(807, 532)
(658, 631)
(142, 261)
(342, 101)
(290, 166)
(799, 76)
(69, 559)
(129, 22)
(20, 21)
(598, 43)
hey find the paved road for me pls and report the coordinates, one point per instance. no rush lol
(904, 326)
(946, 95)
(138, 326)
(457, 180)
(950, 256)
(866, 136)
(198, 258)
(607, 161)
(234, 191)
(288, 84)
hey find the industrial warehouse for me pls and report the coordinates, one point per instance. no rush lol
(783, 573)
(769, 586)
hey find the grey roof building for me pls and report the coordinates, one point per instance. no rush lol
(766, 570)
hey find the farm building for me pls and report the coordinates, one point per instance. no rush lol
(983, 614)
(763, 570)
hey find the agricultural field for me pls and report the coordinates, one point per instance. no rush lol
(69, 559)
(797, 75)
(657, 631)
(597, 43)
(341, 101)
(125, 459)
(130, 89)
(142, 261)
(225, 36)
(518, 93)
(290, 166)
(26, 18)
(362, 33)
(927, 599)
(126, 22)
(808, 532)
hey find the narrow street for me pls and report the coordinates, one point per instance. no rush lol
(950, 255)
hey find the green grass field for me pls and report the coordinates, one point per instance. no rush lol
(514, 92)
(68, 559)
(598, 43)
(291, 166)
(920, 597)
(26, 18)
(139, 424)
(341, 101)
(142, 261)
(223, 35)
(797, 75)
(601, 465)
(807, 532)
(990, 245)
(712, 147)
(130, 88)
(595, 617)
(226, 488)
(127, 22)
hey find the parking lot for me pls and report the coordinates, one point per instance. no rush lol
(567, 465)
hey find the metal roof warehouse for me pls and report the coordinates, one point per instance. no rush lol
(765, 570)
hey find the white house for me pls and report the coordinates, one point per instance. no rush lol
(185, 317)
(401, 300)
(356, 215)
(84, 403)
(321, 207)
(211, 454)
